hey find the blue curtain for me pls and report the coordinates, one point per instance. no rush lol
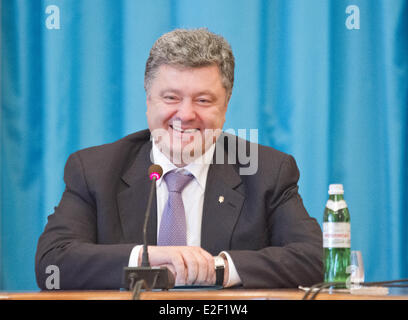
(323, 83)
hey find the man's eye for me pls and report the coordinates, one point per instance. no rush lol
(170, 98)
(203, 101)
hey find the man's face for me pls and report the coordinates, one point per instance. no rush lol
(186, 110)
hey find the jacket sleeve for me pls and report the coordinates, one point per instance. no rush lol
(294, 254)
(69, 240)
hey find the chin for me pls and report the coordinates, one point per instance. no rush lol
(186, 154)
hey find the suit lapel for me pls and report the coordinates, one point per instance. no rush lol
(223, 201)
(132, 201)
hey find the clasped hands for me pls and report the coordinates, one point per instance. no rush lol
(189, 265)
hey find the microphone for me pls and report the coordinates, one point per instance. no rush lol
(150, 277)
(155, 173)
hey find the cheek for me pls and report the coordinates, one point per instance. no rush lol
(214, 119)
(158, 115)
(151, 118)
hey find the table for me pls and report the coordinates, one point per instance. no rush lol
(224, 294)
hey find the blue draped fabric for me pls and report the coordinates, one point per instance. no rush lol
(327, 85)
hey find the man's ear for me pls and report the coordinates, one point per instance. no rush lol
(229, 97)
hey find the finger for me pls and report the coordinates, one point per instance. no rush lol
(202, 265)
(159, 255)
(209, 266)
(178, 262)
(191, 263)
(169, 256)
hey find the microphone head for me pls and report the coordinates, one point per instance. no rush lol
(155, 171)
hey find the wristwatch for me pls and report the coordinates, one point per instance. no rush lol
(219, 270)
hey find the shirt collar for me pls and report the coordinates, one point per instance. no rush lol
(198, 168)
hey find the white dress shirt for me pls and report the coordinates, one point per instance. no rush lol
(193, 200)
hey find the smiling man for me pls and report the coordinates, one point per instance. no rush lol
(210, 224)
(186, 110)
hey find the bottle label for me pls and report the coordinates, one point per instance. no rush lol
(336, 235)
(336, 205)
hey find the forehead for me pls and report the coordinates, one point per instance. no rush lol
(169, 77)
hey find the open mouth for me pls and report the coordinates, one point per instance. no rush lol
(179, 129)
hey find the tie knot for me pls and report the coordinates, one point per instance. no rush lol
(176, 181)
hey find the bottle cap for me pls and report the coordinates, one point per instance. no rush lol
(336, 189)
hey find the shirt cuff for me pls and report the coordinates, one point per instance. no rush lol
(233, 278)
(134, 256)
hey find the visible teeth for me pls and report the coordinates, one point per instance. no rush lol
(177, 129)
(183, 131)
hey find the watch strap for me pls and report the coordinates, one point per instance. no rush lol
(219, 270)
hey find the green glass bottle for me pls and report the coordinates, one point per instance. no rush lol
(336, 237)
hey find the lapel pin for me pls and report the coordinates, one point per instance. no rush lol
(221, 199)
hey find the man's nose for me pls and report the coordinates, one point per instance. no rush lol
(186, 111)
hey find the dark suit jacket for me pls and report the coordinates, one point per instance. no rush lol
(262, 223)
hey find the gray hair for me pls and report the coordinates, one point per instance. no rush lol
(191, 48)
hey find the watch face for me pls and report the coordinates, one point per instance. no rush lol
(219, 262)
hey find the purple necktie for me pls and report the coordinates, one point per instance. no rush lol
(173, 230)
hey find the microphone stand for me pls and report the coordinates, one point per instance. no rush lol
(145, 254)
(135, 278)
